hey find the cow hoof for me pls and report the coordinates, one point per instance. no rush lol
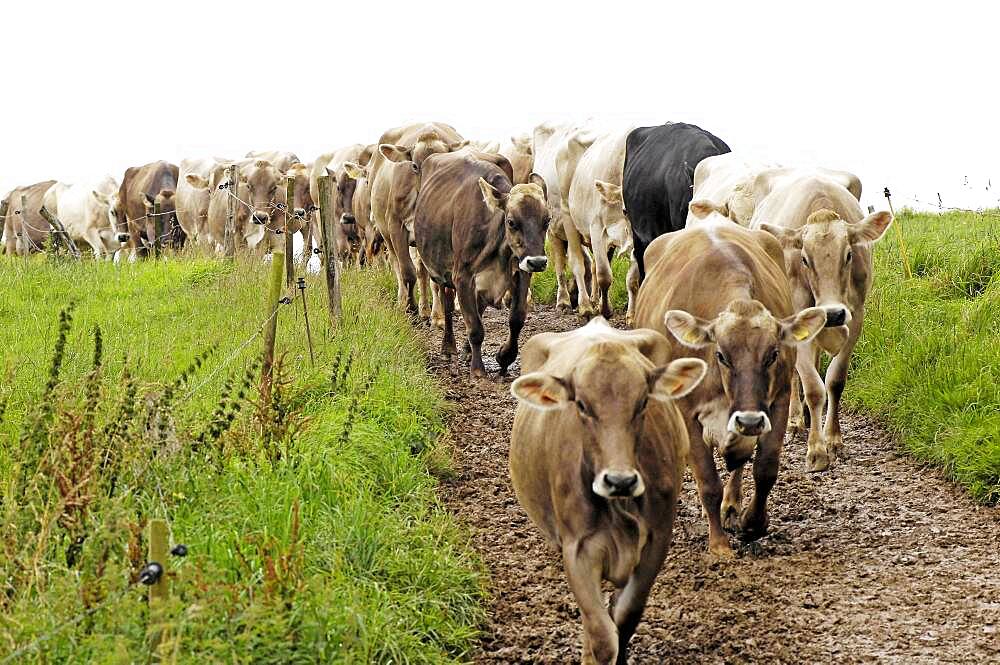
(477, 373)
(721, 549)
(563, 306)
(753, 529)
(817, 461)
(835, 444)
(796, 425)
(730, 518)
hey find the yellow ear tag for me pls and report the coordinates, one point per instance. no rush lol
(692, 337)
(800, 333)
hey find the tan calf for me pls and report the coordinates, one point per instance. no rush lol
(597, 456)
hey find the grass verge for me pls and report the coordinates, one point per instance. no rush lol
(311, 524)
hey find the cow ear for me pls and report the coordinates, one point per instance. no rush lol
(536, 179)
(689, 330)
(542, 391)
(702, 208)
(610, 192)
(495, 201)
(395, 153)
(871, 228)
(677, 379)
(260, 163)
(458, 145)
(196, 181)
(101, 198)
(802, 327)
(789, 238)
(354, 171)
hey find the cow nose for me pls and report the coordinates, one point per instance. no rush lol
(836, 316)
(749, 423)
(621, 483)
(534, 263)
(300, 212)
(122, 237)
(260, 217)
(347, 219)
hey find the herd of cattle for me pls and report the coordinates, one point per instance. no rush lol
(742, 273)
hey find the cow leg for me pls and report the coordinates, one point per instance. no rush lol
(578, 264)
(754, 520)
(796, 420)
(600, 634)
(446, 297)
(732, 499)
(466, 288)
(93, 238)
(709, 490)
(632, 282)
(836, 379)
(602, 266)
(518, 312)
(817, 456)
(631, 600)
(563, 297)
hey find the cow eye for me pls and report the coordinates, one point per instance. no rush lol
(850, 255)
(642, 406)
(582, 408)
(512, 223)
(723, 360)
(771, 358)
(805, 260)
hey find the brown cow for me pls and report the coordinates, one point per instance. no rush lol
(141, 188)
(347, 234)
(721, 291)
(25, 229)
(478, 235)
(393, 191)
(597, 455)
(519, 153)
(354, 198)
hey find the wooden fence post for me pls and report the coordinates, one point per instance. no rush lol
(229, 239)
(4, 206)
(157, 229)
(60, 231)
(159, 540)
(329, 247)
(289, 245)
(271, 325)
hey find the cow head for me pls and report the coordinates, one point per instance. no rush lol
(262, 181)
(753, 360)
(612, 213)
(302, 205)
(427, 144)
(608, 393)
(347, 178)
(827, 254)
(168, 214)
(526, 219)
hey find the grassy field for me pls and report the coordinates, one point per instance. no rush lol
(928, 363)
(311, 523)
(929, 359)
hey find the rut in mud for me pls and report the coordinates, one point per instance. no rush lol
(878, 559)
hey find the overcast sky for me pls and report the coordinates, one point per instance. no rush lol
(903, 95)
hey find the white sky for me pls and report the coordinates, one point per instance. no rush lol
(904, 94)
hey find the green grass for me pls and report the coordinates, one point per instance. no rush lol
(928, 362)
(321, 542)
(543, 285)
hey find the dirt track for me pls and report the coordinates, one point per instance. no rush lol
(877, 559)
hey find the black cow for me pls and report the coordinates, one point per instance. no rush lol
(659, 176)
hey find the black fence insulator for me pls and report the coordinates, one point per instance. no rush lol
(151, 574)
(179, 550)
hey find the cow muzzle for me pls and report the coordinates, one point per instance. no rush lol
(533, 263)
(300, 213)
(261, 217)
(618, 484)
(837, 315)
(347, 219)
(749, 423)
(122, 238)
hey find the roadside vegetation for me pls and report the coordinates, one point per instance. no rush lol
(312, 530)
(928, 362)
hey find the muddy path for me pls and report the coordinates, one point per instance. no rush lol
(877, 559)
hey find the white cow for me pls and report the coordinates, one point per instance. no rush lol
(547, 141)
(827, 242)
(192, 200)
(519, 153)
(597, 214)
(85, 211)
